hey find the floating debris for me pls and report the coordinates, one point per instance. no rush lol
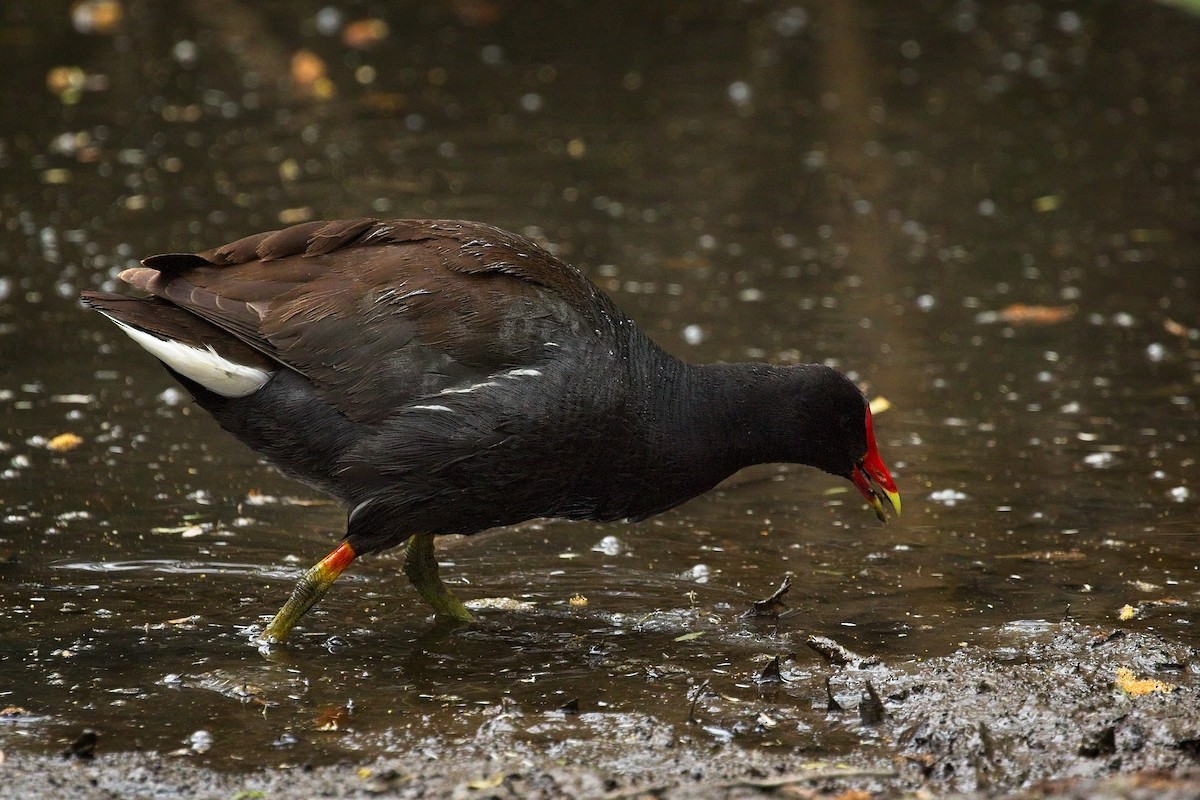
(1021, 314)
(64, 442)
(1134, 686)
(363, 34)
(771, 607)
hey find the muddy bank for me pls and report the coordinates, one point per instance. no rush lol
(1042, 710)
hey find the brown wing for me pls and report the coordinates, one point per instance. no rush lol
(377, 314)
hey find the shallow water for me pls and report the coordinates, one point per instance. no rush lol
(854, 185)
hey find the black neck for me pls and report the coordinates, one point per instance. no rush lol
(722, 417)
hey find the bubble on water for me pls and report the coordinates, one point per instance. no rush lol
(926, 302)
(699, 573)
(532, 102)
(948, 497)
(1123, 319)
(1155, 352)
(1180, 494)
(1069, 22)
(201, 741)
(609, 546)
(1099, 460)
(791, 21)
(492, 54)
(740, 93)
(171, 396)
(329, 21)
(185, 53)
(693, 334)
(986, 207)
(1069, 408)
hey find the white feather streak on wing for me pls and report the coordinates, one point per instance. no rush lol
(430, 408)
(201, 364)
(523, 373)
(473, 387)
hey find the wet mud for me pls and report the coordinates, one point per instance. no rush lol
(1038, 709)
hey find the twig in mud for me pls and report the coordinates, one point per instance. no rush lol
(699, 691)
(838, 655)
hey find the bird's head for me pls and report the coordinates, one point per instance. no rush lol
(839, 436)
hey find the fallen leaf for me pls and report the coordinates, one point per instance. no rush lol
(687, 637)
(309, 75)
(490, 782)
(578, 601)
(1049, 202)
(291, 216)
(97, 16)
(880, 404)
(364, 33)
(1176, 329)
(770, 674)
(1021, 314)
(332, 718)
(1133, 686)
(64, 442)
(1051, 556)
(1126, 613)
(772, 606)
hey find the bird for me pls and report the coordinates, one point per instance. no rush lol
(448, 377)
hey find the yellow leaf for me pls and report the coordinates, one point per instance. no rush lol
(64, 442)
(880, 404)
(487, 783)
(1133, 686)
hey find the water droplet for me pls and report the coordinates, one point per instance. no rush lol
(948, 497)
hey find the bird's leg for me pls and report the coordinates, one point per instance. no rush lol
(312, 586)
(422, 569)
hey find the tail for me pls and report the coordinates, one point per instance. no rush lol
(186, 344)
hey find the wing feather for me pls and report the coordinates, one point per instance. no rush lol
(376, 311)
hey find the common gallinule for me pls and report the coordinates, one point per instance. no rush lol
(447, 377)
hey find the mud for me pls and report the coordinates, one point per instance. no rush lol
(1040, 710)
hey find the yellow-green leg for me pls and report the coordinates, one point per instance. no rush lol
(422, 569)
(312, 586)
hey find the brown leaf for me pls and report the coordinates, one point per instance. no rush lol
(363, 34)
(333, 718)
(1021, 314)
